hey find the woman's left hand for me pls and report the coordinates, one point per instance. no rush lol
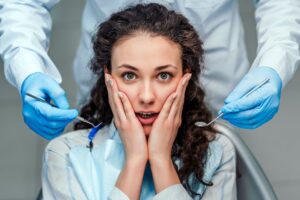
(164, 129)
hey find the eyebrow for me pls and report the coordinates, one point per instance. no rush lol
(156, 69)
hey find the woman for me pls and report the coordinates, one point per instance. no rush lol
(147, 99)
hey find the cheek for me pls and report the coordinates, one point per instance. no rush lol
(128, 90)
(164, 92)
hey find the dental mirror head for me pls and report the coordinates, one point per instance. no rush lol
(201, 124)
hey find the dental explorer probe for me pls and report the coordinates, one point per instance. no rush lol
(204, 124)
(49, 103)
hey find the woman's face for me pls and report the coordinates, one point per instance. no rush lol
(147, 69)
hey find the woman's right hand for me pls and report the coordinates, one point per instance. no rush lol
(130, 129)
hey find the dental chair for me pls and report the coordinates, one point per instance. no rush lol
(252, 183)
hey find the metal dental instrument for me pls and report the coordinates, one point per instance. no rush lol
(43, 100)
(204, 124)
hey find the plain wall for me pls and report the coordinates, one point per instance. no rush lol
(275, 145)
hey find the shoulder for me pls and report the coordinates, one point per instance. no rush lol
(67, 141)
(225, 143)
(222, 151)
(220, 160)
(63, 144)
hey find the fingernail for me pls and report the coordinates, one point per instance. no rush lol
(106, 77)
(184, 80)
(120, 95)
(110, 82)
(188, 78)
(174, 96)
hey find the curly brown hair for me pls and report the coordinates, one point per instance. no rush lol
(191, 143)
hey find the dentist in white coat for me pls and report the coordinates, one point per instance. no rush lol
(25, 27)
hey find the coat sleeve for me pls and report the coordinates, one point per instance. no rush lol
(25, 28)
(278, 35)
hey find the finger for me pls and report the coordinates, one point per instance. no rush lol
(165, 111)
(51, 137)
(40, 120)
(128, 110)
(54, 114)
(56, 124)
(52, 134)
(180, 90)
(253, 124)
(246, 114)
(116, 99)
(110, 97)
(56, 93)
(185, 84)
(248, 102)
(253, 116)
(45, 132)
(243, 87)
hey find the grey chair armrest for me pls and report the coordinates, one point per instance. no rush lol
(253, 183)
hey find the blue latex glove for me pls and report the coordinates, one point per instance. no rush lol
(44, 119)
(259, 107)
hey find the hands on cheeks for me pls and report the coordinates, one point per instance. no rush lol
(164, 129)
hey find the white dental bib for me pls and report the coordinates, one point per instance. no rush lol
(97, 171)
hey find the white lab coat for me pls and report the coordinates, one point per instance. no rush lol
(25, 28)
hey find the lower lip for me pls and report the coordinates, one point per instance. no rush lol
(147, 121)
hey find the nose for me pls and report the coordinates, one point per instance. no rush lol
(147, 93)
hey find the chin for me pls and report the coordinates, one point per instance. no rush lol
(147, 130)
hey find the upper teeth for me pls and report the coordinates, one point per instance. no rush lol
(146, 114)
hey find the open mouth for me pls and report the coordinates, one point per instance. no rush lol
(146, 118)
(146, 115)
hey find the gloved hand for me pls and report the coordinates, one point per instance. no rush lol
(260, 106)
(44, 119)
